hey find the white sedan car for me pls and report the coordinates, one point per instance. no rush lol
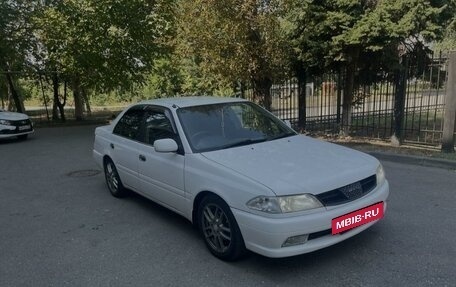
(241, 175)
(14, 125)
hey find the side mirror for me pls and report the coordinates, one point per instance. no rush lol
(165, 145)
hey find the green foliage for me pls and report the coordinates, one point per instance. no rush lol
(165, 79)
(105, 43)
(330, 34)
(448, 42)
(123, 50)
(16, 33)
(232, 40)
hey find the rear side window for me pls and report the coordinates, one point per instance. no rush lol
(130, 123)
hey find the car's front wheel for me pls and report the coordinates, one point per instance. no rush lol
(113, 181)
(219, 229)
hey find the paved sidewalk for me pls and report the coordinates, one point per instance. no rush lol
(388, 153)
(415, 160)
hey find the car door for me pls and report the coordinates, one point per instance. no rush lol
(125, 146)
(161, 174)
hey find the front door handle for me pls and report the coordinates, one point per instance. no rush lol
(111, 145)
(142, 158)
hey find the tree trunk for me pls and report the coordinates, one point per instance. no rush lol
(400, 79)
(262, 92)
(58, 105)
(45, 100)
(56, 101)
(85, 98)
(348, 91)
(62, 104)
(3, 92)
(14, 94)
(78, 101)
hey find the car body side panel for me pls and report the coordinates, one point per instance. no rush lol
(202, 175)
(123, 152)
(162, 177)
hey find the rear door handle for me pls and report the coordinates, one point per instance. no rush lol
(111, 145)
(142, 158)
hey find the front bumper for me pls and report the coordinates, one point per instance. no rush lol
(18, 128)
(265, 236)
(15, 134)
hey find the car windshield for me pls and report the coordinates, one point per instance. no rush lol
(221, 126)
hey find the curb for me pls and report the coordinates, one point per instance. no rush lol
(414, 160)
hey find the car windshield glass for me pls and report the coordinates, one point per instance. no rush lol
(221, 126)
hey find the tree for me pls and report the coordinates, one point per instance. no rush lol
(101, 45)
(16, 43)
(234, 40)
(448, 22)
(351, 35)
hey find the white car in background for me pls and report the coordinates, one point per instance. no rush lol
(241, 175)
(15, 125)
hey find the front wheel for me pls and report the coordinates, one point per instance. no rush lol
(219, 229)
(113, 181)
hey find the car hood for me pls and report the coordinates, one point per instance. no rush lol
(297, 164)
(11, 116)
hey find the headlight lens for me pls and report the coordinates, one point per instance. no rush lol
(5, 123)
(380, 175)
(284, 204)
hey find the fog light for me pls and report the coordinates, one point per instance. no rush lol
(295, 240)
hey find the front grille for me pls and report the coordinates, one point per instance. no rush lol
(18, 124)
(21, 123)
(349, 192)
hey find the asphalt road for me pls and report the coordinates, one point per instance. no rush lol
(63, 230)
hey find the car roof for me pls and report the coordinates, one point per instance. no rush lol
(182, 102)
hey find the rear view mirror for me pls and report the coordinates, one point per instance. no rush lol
(165, 145)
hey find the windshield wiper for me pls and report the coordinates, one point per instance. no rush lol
(245, 142)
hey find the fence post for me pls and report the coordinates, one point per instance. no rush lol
(399, 101)
(301, 74)
(449, 118)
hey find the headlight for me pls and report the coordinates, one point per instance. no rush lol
(5, 123)
(284, 204)
(380, 175)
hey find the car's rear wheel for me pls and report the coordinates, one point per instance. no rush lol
(22, 137)
(219, 229)
(113, 181)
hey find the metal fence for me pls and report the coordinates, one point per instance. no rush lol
(373, 104)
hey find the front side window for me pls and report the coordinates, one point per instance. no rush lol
(157, 125)
(221, 126)
(130, 123)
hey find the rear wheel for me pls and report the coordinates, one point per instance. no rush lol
(113, 181)
(219, 229)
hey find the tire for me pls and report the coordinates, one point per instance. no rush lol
(22, 137)
(113, 181)
(219, 229)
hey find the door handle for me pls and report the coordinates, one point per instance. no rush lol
(111, 145)
(142, 158)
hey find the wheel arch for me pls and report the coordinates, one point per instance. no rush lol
(106, 157)
(196, 203)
